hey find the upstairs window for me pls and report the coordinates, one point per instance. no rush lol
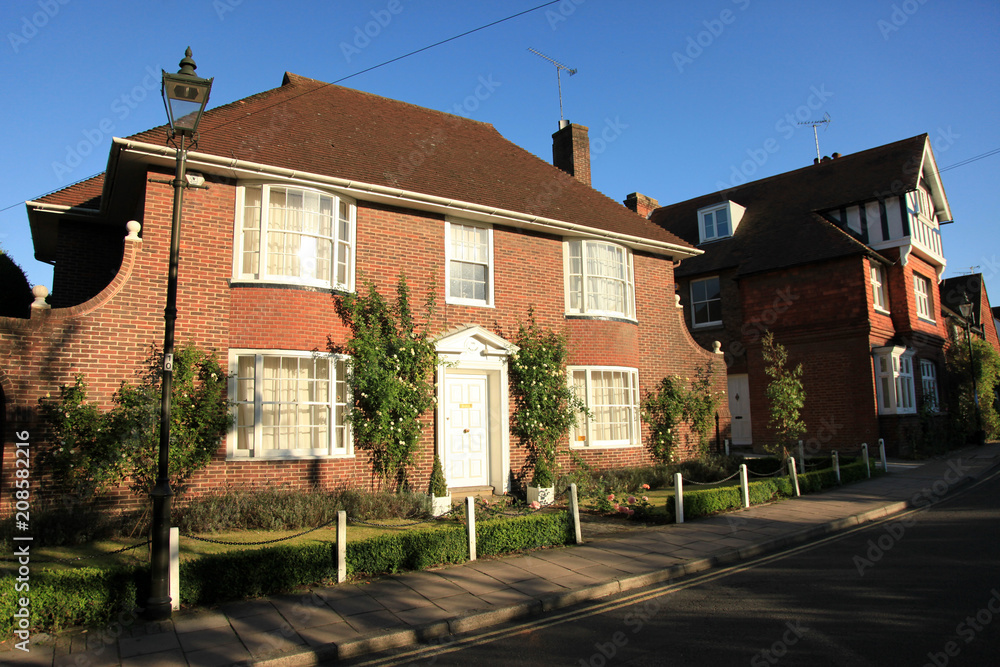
(922, 294)
(719, 221)
(599, 279)
(706, 302)
(715, 224)
(295, 235)
(879, 296)
(469, 251)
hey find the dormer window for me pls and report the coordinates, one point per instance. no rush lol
(719, 221)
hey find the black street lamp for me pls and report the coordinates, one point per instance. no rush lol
(967, 314)
(184, 96)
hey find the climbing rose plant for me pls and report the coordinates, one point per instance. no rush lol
(94, 450)
(390, 376)
(675, 402)
(545, 407)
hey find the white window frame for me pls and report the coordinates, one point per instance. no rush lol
(929, 384)
(583, 294)
(923, 296)
(449, 226)
(894, 380)
(584, 434)
(704, 217)
(711, 323)
(338, 242)
(880, 295)
(332, 405)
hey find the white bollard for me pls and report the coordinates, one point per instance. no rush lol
(745, 483)
(470, 515)
(836, 464)
(678, 497)
(727, 446)
(174, 575)
(574, 508)
(795, 475)
(341, 546)
(881, 453)
(864, 457)
(802, 458)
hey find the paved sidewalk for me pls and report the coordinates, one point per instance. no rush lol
(350, 620)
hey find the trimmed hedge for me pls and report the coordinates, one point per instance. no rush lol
(702, 502)
(93, 597)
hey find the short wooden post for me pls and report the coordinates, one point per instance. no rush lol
(174, 575)
(745, 483)
(881, 453)
(574, 508)
(470, 518)
(794, 474)
(679, 497)
(802, 458)
(864, 457)
(341, 546)
(836, 464)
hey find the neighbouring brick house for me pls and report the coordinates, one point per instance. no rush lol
(312, 190)
(842, 261)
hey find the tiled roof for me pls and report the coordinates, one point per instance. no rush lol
(782, 225)
(83, 194)
(315, 127)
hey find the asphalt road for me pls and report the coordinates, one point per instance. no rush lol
(920, 589)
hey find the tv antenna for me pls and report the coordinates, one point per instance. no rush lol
(559, 68)
(814, 123)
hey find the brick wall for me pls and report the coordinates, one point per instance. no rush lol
(107, 337)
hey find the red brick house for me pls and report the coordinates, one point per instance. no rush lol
(842, 261)
(312, 190)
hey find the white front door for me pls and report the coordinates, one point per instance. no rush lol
(739, 408)
(466, 431)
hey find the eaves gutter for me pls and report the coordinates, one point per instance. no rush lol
(363, 190)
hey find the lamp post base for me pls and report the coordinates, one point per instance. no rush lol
(158, 606)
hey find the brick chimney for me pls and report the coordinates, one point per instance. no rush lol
(571, 150)
(641, 204)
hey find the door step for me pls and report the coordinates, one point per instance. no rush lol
(457, 493)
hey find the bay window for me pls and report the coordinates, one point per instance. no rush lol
(894, 380)
(294, 235)
(599, 279)
(612, 398)
(288, 404)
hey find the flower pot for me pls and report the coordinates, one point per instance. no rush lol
(543, 495)
(440, 505)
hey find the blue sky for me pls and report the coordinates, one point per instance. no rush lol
(681, 98)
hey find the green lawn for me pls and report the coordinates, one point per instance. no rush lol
(191, 548)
